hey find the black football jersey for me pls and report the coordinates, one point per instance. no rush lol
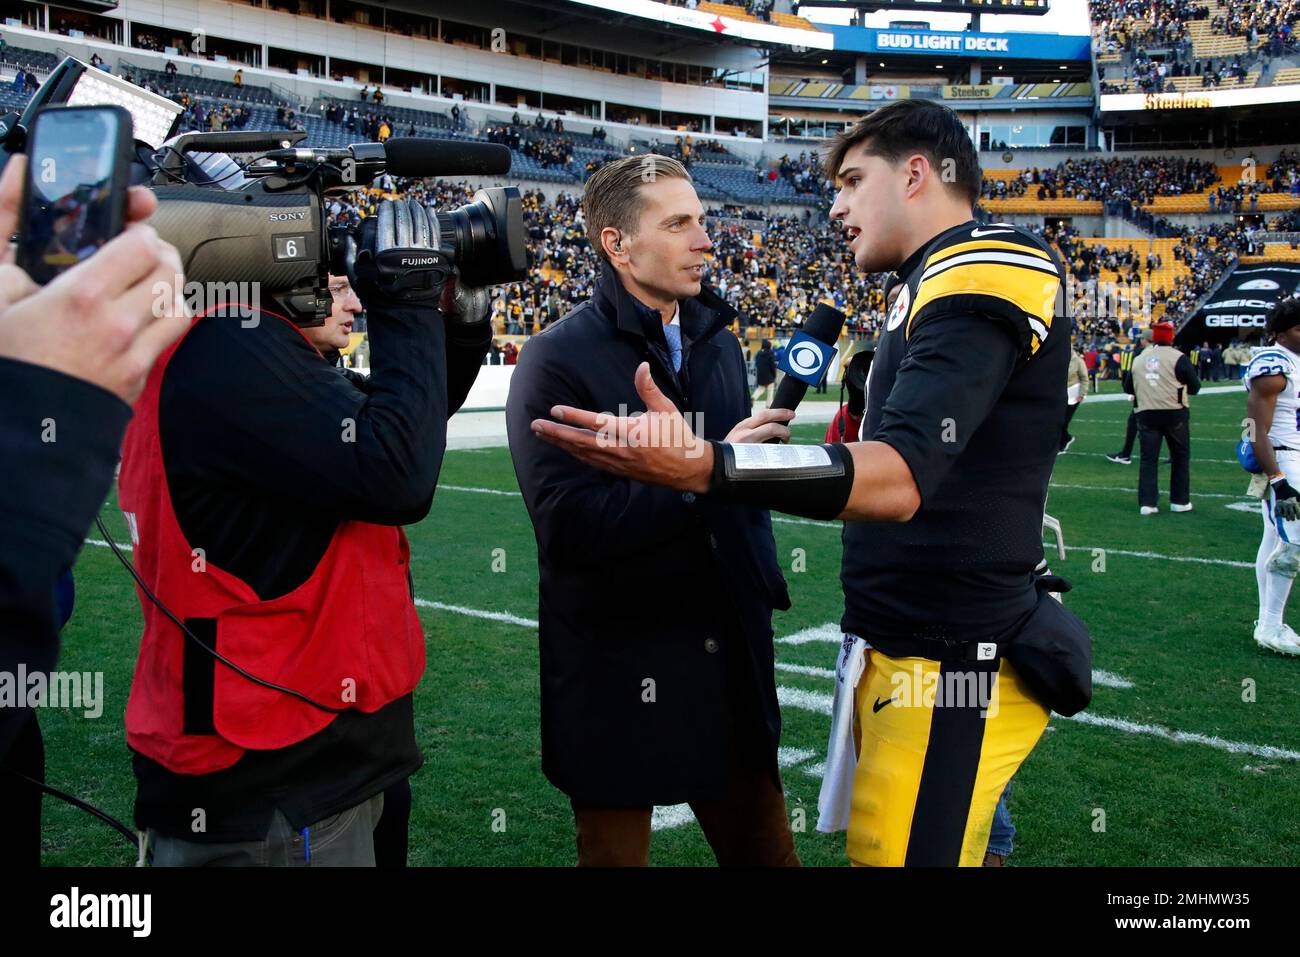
(968, 386)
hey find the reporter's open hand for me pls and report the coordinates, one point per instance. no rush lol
(763, 425)
(104, 320)
(656, 447)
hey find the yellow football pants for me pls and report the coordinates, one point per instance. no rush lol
(938, 742)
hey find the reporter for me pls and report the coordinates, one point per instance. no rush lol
(290, 478)
(71, 355)
(705, 579)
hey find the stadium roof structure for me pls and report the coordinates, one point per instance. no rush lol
(1020, 8)
(723, 21)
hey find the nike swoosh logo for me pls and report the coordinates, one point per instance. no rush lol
(875, 708)
(977, 233)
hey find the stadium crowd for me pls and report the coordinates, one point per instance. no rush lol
(1139, 26)
(1121, 25)
(1271, 22)
(1136, 180)
(774, 268)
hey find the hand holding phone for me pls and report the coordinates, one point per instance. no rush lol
(75, 195)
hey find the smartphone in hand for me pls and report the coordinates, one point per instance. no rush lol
(74, 200)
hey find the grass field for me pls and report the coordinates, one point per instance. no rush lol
(1170, 615)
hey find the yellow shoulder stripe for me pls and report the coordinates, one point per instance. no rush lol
(978, 245)
(1032, 290)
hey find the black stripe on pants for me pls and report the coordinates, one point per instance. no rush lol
(952, 759)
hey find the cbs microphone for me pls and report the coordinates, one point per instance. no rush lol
(807, 356)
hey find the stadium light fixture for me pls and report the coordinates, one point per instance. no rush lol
(75, 83)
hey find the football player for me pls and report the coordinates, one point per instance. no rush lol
(942, 496)
(1272, 380)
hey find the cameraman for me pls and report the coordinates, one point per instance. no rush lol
(72, 355)
(264, 487)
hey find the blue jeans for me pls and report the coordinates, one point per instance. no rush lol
(1003, 833)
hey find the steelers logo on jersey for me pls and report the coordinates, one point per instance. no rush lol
(899, 311)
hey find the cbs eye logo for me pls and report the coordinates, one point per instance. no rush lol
(805, 359)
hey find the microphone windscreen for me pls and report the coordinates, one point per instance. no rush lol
(825, 324)
(417, 156)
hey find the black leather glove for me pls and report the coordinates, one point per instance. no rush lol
(398, 254)
(1286, 500)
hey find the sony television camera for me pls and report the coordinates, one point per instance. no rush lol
(249, 207)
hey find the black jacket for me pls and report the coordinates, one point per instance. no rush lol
(764, 367)
(654, 605)
(59, 440)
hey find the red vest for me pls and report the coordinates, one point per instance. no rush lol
(349, 636)
(844, 427)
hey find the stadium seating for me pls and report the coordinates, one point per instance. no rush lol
(10, 100)
(38, 61)
(739, 183)
(1207, 43)
(204, 86)
(1170, 272)
(404, 115)
(1274, 252)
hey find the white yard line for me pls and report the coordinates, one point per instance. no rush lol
(1184, 737)
(1102, 455)
(1133, 491)
(808, 670)
(827, 632)
(1108, 680)
(100, 543)
(804, 700)
(501, 616)
(1225, 562)
(480, 491)
(1125, 397)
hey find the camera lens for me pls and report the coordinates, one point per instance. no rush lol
(485, 237)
